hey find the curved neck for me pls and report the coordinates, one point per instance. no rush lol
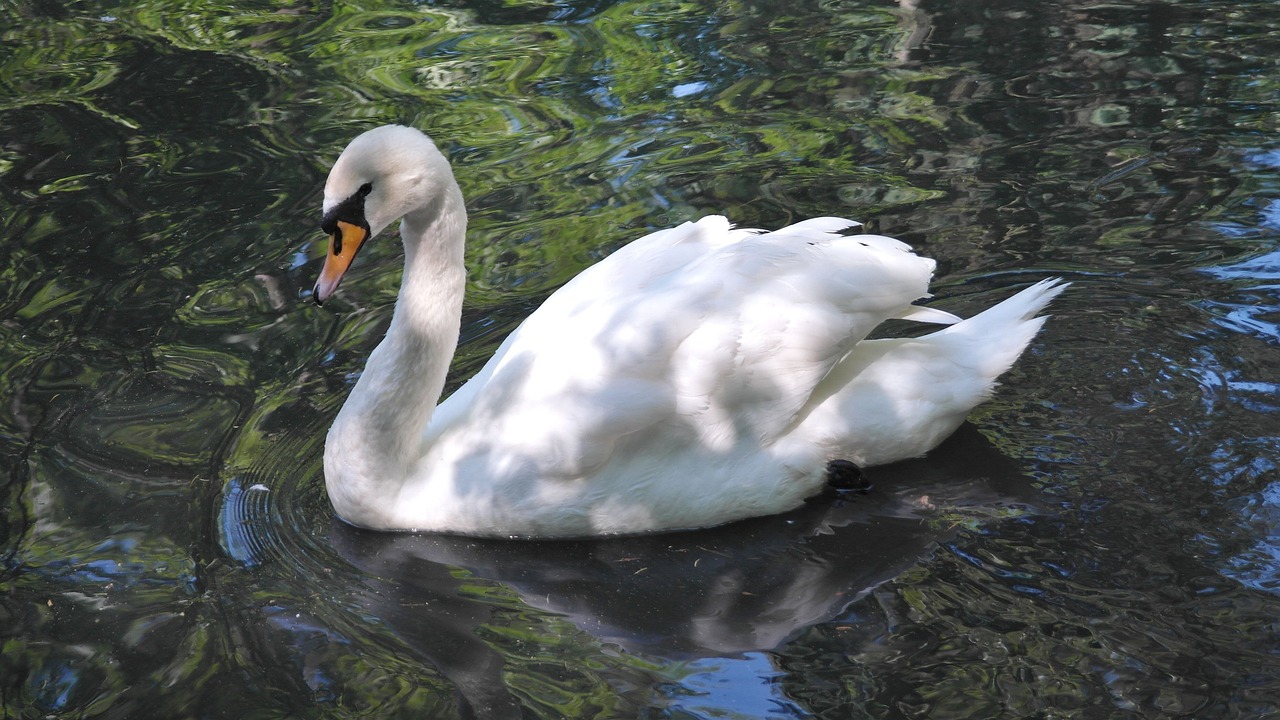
(377, 434)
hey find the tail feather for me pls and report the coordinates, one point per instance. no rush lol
(895, 398)
(993, 339)
(1023, 306)
(919, 313)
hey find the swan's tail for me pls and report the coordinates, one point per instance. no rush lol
(991, 341)
(896, 398)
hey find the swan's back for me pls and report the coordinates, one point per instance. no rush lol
(731, 327)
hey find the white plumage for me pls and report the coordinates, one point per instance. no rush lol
(698, 375)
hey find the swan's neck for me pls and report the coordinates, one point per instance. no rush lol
(378, 433)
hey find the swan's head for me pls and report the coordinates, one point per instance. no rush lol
(382, 175)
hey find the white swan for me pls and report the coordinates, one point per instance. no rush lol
(696, 376)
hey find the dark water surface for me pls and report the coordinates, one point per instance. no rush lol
(1102, 541)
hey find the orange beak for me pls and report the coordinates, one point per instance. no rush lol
(344, 243)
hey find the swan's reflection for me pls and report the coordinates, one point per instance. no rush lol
(722, 592)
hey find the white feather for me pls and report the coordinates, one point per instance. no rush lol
(698, 375)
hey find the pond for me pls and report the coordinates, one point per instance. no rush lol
(1102, 539)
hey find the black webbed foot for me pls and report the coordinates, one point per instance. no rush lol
(844, 475)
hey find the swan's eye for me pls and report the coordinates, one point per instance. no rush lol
(365, 189)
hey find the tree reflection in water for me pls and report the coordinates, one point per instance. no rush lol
(167, 548)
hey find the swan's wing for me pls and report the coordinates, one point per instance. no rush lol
(701, 331)
(801, 298)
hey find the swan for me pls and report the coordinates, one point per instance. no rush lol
(698, 375)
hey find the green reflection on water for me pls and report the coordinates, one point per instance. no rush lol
(160, 166)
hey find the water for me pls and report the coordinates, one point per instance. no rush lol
(1103, 539)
